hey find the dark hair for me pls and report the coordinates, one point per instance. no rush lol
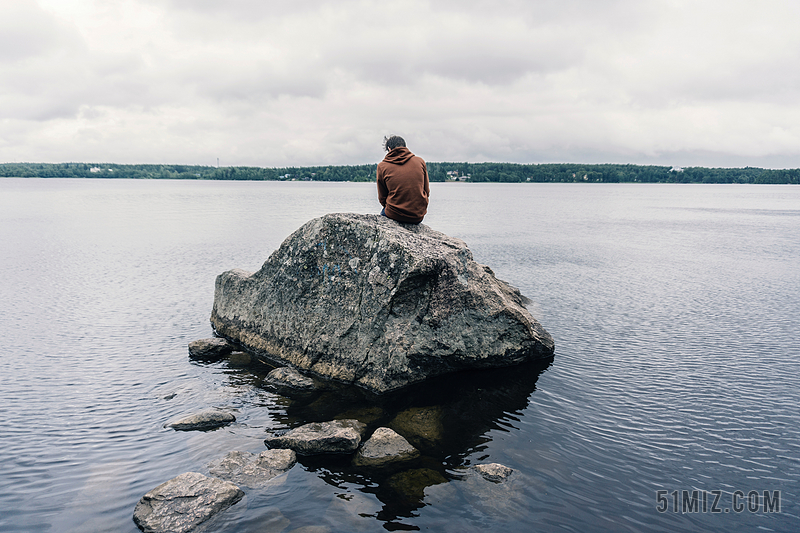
(393, 141)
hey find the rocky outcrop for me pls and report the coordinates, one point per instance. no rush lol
(250, 470)
(366, 300)
(184, 502)
(337, 436)
(384, 447)
(202, 421)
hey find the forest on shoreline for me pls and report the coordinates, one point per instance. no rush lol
(438, 172)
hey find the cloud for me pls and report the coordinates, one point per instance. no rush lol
(319, 82)
(27, 31)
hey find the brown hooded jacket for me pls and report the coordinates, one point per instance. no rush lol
(403, 187)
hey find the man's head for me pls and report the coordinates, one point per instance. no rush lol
(392, 142)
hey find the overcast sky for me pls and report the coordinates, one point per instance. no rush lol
(313, 82)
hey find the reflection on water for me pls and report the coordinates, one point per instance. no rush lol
(447, 419)
(675, 311)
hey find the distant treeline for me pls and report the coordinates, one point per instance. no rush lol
(470, 172)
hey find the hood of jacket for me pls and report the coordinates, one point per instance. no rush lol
(398, 156)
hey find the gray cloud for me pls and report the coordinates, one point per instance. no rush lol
(26, 31)
(319, 82)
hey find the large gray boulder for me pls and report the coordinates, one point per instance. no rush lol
(366, 300)
(184, 502)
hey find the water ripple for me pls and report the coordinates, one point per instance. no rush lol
(674, 309)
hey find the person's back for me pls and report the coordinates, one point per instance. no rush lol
(403, 187)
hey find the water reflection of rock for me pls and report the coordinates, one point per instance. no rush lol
(446, 419)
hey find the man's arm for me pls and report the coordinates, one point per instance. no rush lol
(383, 192)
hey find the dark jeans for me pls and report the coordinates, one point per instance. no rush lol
(383, 214)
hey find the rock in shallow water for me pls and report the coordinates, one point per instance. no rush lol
(366, 300)
(384, 447)
(213, 348)
(496, 491)
(201, 421)
(289, 381)
(183, 503)
(239, 359)
(251, 470)
(494, 472)
(422, 426)
(337, 436)
(410, 485)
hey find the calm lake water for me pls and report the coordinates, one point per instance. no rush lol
(675, 310)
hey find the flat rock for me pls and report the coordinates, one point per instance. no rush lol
(494, 472)
(209, 419)
(337, 436)
(251, 470)
(384, 447)
(213, 348)
(184, 502)
(363, 299)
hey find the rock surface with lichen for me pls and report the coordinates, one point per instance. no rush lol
(366, 300)
(315, 438)
(183, 503)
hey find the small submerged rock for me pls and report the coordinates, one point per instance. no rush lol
(496, 491)
(251, 470)
(286, 380)
(337, 436)
(411, 484)
(184, 502)
(384, 447)
(422, 426)
(213, 348)
(239, 359)
(494, 472)
(201, 421)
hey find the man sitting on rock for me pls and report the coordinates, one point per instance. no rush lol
(403, 186)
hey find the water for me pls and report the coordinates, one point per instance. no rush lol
(675, 310)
